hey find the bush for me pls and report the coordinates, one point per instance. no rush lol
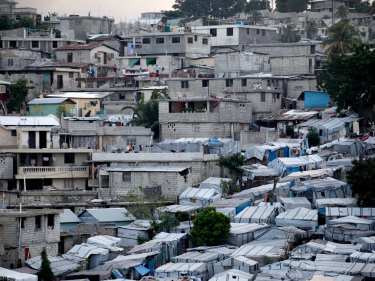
(313, 137)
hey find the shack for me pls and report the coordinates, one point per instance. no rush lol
(302, 218)
(201, 197)
(242, 233)
(257, 214)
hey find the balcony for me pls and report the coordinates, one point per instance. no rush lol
(67, 172)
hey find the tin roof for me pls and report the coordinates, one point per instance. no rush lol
(110, 214)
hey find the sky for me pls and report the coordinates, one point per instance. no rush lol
(121, 10)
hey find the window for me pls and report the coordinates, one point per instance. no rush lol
(51, 221)
(13, 133)
(54, 44)
(195, 38)
(310, 66)
(69, 158)
(184, 84)
(35, 44)
(230, 31)
(10, 62)
(69, 57)
(312, 49)
(247, 31)
(71, 74)
(258, 31)
(146, 41)
(176, 40)
(263, 97)
(268, 83)
(205, 41)
(263, 32)
(38, 222)
(23, 220)
(190, 40)
(127, 177)
(160, 40)
(13, 44)
(244, 82)
(213, 32)
(205, 83)
(229, 83)
(60, 82)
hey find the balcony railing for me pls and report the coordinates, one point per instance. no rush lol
(53, 172)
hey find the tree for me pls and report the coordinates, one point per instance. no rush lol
(147, 115)
(289, 35)
(18, 95)
(313, 137)
(286, 6)
(210, 228)
(233, 163)
(208, 8)
(166, 223)
(361, 179)
(350, 81)
(342, 38)
(256, 5)
(45, 273)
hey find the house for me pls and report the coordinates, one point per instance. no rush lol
(24, 234)
(339, 212)
(231, 206)
(234, 274)
(68, 221)
(179, 44)
(257, 214)
(302, 218)
(204, 117)
(242, 233)
(347, 229)
(315, 99)
(213, 182)
(107, 216)
(134, 232)
(257, 174)
(201, 197)
(52, 106)
(259, 193)
(173, 271)
(147, 181)
(238, 35)
(88, 104)
(104, 134)
(202, 165)
(286, 166)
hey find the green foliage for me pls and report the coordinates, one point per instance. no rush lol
(289, 34)
(147, 115)
(208, 8)
(230, 187)
(286, 6)
(342, 12)
(256, 5)
(350, 81)
(342, 38)
(182, 216)
(7, 23)
(45, 273)
(18, 94)
(166, 224)
(362, 178)
(210, 228)
(313, 137)
(233, 163)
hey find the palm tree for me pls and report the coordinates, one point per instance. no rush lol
(342, 37)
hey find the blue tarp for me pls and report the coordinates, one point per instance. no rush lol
(142, 270)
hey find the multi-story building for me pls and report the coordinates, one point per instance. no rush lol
(204, 117)
(9, 9)
(168, 43)
(25, 233)
(238, 35)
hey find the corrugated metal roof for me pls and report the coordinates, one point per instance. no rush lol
(195, 256)
(232, 274)
(59, 265)
(179, 208)
(256, 214)
(150, 169)
(299, 214)
(110, 214)
(239, 228)
(67, 216)
(199, 193)
(81, 95)
(49, 101)
(151, 157)
(182, 267)
(350, 220)
(49, 121)
(15, 275)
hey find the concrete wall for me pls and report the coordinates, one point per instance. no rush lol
(17, 59)
(293, 65)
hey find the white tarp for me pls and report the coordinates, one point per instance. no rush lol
(17, 276)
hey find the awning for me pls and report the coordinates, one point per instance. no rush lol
(142, 270)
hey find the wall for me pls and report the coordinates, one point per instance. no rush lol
(17, 59)
(292, 65)
(6, 138)
(296, 86)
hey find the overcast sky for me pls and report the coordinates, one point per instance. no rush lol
(119, 9)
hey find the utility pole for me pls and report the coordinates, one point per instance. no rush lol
(333, 12)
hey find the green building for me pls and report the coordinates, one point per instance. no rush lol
(55, 106)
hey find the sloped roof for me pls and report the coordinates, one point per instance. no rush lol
(67, 216)
(49, 120)
(110, 214)
(49, 101)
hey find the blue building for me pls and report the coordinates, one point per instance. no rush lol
(315, 99)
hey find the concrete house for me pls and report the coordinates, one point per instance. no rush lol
(168, 43)
(204, 117)
(54, 106)
(150, 182)
(238, 35)
(24, 234)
